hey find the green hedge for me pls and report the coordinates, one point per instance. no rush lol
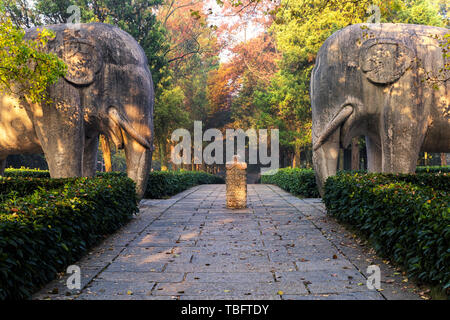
(22, 186)
(433, 169)
(405, 217)
(26, 173)
(167, 183)
(302, 181)
(296, 181)
(36, 173)
(160, 183)
(42, 231)
(438, 181)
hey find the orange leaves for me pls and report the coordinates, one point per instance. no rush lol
(253, 63)
(188, 30)
(220, 87)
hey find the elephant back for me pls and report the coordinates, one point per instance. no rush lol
(384, 52)
(86, 48)
(389, 50)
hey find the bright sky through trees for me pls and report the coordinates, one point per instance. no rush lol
(242, 28)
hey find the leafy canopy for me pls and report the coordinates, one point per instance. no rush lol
(26, 69)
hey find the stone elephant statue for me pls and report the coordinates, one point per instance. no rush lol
(386, 82)
(107, 90)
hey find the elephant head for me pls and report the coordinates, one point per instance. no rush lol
(109, 91)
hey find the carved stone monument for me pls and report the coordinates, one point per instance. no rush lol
(108, 90)
(236, 184)
(387, 82)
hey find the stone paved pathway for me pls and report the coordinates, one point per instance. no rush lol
(192, 247)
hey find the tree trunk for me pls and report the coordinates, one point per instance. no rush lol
(296, 162)
(162, 158)
(174, 166)
(341, 159)
(443, 159)
(355, 154)
(106, 151)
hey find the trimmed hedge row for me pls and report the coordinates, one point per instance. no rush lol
(302, 181)
(26, 173)
(405, 217)
(160, 183)
(438, 181)
(37, 173)
(167, 183)
(22, 186)
(433, 169)
(45, 230)
(294, 180)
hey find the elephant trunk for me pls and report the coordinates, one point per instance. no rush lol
(336, 123)
(138, 149)
(326, 146)
(325, 158)
(139, 161)
(124, 123)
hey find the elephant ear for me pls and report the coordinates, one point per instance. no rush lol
(384, 61)
(434, 63)
(83, 61)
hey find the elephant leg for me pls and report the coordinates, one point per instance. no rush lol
(64, 155)
(90, 156)
(59, 127)
(374, 155)
(401, 140)
(404, 122)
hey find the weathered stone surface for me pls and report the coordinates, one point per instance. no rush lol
(236, 184)
(119, 288)
(149, 277)
(320, 276)
(388, 83)
(108, 91)
(239, 277)
(57, 289)
(325, 261)
(340, 296)
(235, 296)
(119, 266)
